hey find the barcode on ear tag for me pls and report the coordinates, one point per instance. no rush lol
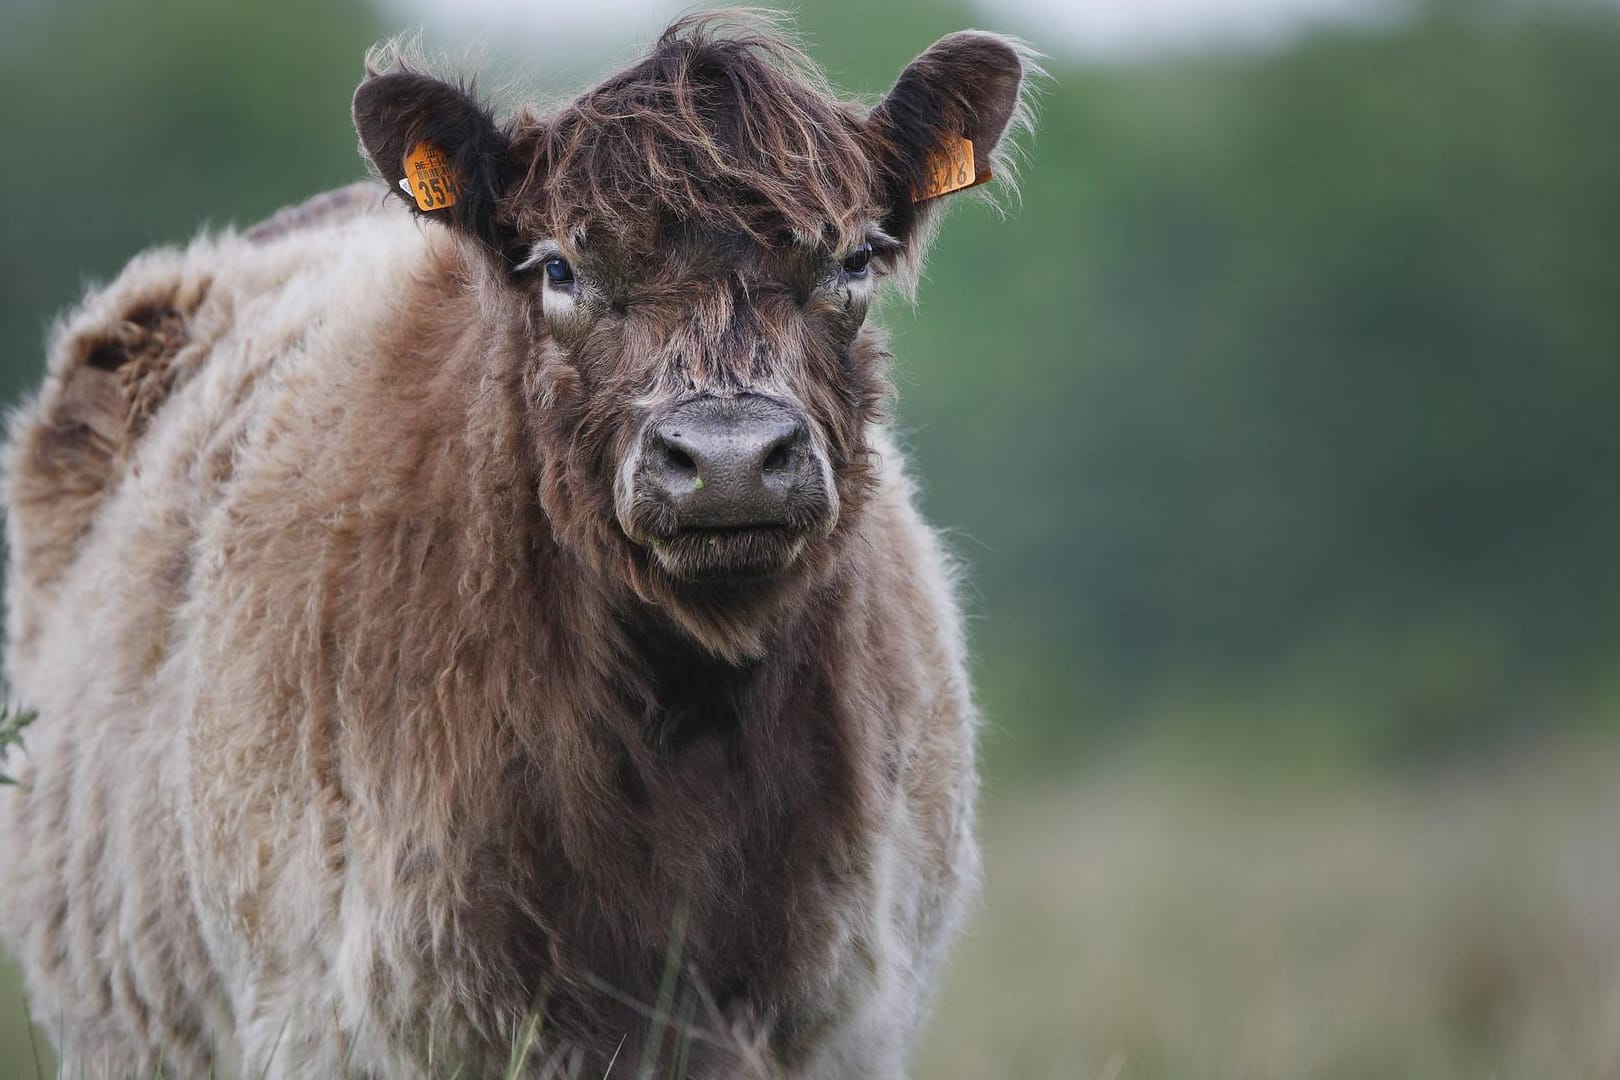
(432, 181)
(952, 169)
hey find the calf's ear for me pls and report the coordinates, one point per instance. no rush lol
(944, 126)
(436, 147)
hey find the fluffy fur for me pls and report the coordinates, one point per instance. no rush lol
(372, 727)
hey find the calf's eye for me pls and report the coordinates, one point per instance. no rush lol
(858, 262)
(558, 272)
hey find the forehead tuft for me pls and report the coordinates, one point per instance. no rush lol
(724, 125)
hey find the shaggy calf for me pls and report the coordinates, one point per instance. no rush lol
(505, 620)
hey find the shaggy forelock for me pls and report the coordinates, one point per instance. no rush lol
(724, 124)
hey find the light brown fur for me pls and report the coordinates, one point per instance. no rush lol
(365, 735)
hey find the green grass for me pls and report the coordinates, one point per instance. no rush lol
(1145, 925)
(20, 1046)
(1460, 925)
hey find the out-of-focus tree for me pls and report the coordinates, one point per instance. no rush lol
(1281, 409)
(128, 125)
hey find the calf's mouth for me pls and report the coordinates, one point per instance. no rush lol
(729, 553)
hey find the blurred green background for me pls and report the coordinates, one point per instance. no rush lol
(1274, 424)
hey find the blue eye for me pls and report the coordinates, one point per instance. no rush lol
(858, 263)
(558, 272)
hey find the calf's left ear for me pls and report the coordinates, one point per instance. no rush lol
(944, 127)
(437, 148)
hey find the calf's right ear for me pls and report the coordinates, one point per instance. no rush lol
(437, 148)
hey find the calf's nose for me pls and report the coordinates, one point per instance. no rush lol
(732, 463)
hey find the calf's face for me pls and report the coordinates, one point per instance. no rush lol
(726, 395)
(686, 255)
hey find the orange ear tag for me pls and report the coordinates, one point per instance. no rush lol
(430, 178)
(952, 169)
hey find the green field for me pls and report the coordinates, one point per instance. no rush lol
(1459, 925)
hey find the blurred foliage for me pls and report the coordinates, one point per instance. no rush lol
(1275, 419)
(130, 125)
(11, 729)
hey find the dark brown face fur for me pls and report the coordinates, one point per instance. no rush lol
(695, 242)
(634, 336)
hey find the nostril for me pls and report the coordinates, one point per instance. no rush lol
(777, 459)
(680, 459)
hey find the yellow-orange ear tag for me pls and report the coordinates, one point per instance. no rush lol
(952, 169)
(429, 178)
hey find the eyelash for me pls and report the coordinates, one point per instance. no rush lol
(858, 264)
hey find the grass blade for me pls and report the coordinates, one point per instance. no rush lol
(33, 1043)
(264, 1074)
(651, 1052)
(523, 1042)
(614, 1060)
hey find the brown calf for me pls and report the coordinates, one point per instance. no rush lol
(510, 626)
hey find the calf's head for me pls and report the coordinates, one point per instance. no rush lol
(680, 262)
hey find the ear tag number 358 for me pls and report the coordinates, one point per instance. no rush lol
(431, 179)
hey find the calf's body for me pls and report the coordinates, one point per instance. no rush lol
(353, 753)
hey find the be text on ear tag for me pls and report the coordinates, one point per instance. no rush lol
(429, 178)
(952, 169)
